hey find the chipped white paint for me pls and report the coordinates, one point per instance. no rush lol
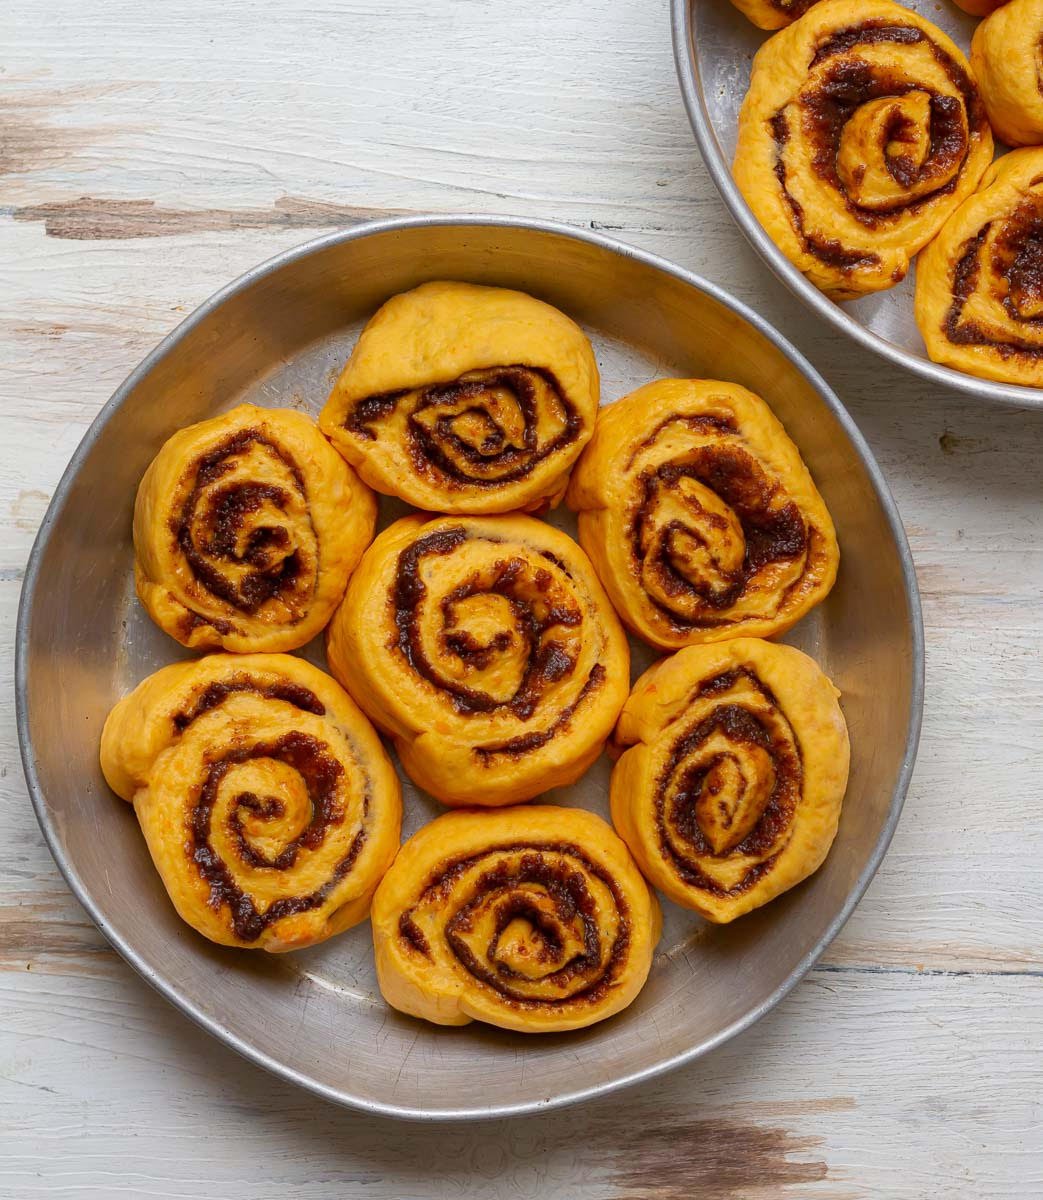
(150, 153)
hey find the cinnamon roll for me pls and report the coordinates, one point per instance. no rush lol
(861, 132)
(246, 528)
(486, 647)
(534, 919)
(735, 765)
(773, 14)
(979, 284)
(699, 515)
(1007, 58)
(268, 804)
(466, 399)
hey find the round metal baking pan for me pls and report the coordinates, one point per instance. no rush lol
(278, 336)
(714, 46)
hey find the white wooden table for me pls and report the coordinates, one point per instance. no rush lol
(148, 154)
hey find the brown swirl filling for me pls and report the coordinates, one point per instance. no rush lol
(320, 773)
(234, 532)
(729, 787)
(525, 612)
(487, 428)
(1011, 265)
(705, 523)
(792, 8)
(527, 926)
(923, 162)
(215, 694)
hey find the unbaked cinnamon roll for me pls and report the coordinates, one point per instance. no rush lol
(860, 134)
(535, 919)
(269, 806)
(773, 14)
(1007, 58)
(246, 528)
(466, 399)
(699, 515)
(734, 771)
(486, 647)
(979, 284)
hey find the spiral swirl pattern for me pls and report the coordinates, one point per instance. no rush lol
(267, 802)
(246, 528)
(699, 515)
(730, 790)
(534, 919)
(861, 132)
(979, 285)
(460, 398)
(484, 429)
(488, 650)
(1007, 58)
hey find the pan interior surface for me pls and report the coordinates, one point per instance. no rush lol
(278, 337)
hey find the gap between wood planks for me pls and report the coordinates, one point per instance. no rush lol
(33, 937)
(90, 218)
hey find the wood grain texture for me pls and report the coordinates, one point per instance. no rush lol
(147, 156)
(849, 1089)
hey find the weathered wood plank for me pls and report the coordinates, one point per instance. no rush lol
(147, 156)
(893, 1087)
